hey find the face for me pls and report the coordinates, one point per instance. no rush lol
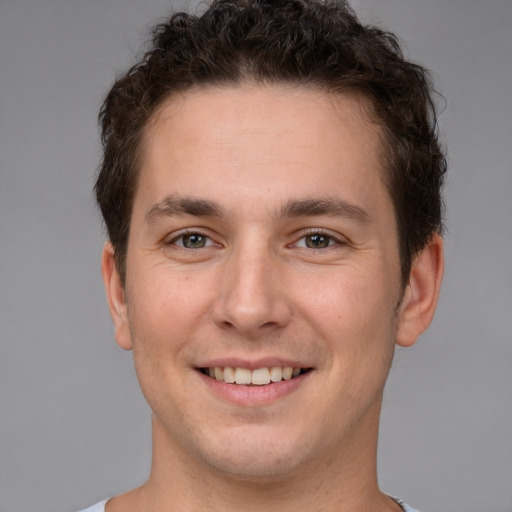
(263, 250)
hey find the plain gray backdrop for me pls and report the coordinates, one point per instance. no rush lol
(74, 427)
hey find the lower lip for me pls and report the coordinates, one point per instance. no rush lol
(254, 395)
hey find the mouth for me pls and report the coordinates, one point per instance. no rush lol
(257, 377)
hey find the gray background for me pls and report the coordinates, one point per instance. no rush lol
(73, 425)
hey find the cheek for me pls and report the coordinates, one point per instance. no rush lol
(166, 310)
(161, 322)
(353, 311)
(348, 295)
(164, 297)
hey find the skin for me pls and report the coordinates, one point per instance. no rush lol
(256, 288)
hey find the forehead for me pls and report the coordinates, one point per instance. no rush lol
(232, 140)
(250, 107)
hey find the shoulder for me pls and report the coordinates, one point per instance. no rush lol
(404, 505)
(99, 507)
(408, 509)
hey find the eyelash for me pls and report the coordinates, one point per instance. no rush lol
(208, 241)
(332, 240)
(181, 236)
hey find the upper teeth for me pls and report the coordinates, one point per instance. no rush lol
(258, 377)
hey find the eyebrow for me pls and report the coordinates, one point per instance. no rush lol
(329, 206)
(180, 205)
(176, 205)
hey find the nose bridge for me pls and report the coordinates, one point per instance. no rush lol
(252, 296)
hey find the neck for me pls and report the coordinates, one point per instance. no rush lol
(344, 482)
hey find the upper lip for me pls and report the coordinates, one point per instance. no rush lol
(251, 364)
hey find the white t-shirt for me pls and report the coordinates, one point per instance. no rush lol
(100, 507)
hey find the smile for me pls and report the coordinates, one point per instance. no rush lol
(256, 377)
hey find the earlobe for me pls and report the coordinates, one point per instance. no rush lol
(114, 289)
(422, 293)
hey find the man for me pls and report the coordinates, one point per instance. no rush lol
(271, 189)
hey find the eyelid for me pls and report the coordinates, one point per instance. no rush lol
(172, 238)
(336, 237)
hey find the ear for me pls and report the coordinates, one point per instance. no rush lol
(114, 289)
(421, 293)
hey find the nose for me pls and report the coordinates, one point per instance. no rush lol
(252, 295)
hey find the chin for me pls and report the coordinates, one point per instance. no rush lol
(257, 458)
(257, 471)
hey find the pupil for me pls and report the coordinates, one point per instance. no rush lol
(317, 241)
(191, 241)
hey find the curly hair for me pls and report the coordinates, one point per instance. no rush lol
(313, 43)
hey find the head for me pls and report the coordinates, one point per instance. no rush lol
(314, 44)
(268, 193)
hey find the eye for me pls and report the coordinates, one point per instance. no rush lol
(192, 241)
(316, 241)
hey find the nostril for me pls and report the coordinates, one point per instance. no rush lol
(250, 304)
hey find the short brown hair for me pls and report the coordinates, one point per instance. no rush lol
(313, 43)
